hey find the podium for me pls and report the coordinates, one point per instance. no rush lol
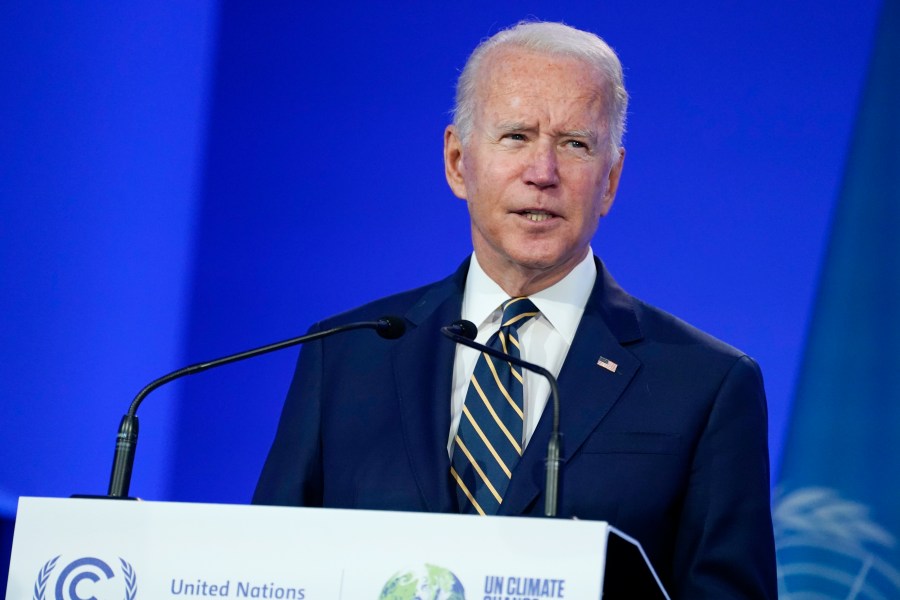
(80, 549)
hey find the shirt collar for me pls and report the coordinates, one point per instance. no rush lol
(561, 304)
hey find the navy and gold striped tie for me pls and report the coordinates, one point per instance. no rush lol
(488, 443)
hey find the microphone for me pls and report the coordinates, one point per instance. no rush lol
(126, 441)
(464, 332)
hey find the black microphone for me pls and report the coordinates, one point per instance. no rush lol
(126, 440)
(464, 332)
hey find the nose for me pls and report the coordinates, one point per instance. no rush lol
(542, 170)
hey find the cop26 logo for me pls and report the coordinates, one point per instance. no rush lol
(83, 579)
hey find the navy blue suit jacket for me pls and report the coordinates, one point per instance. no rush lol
(670, 448)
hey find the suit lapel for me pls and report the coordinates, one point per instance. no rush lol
(423, 368)
(587, 391)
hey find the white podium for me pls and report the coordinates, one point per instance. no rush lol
(81, 549)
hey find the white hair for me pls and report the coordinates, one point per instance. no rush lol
(553, 39)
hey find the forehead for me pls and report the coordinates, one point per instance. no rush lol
(519, 80)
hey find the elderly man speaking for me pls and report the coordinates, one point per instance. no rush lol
(665, 426)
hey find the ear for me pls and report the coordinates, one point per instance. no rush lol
(612, 183)
(453, 162)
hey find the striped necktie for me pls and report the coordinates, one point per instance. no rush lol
(488, 443)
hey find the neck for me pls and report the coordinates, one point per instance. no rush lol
(518, 281)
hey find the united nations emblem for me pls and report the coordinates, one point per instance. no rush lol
(829, 547)
(85, 578)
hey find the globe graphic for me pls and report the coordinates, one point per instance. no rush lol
(429, 582)
(829, 548)
(809, 567)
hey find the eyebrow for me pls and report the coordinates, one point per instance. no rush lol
(578, 133)
(514, 126)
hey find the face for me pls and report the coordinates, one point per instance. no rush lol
(536, 170)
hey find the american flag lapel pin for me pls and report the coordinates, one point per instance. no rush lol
(607, 364)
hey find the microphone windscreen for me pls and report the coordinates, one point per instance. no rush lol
(466, 329)
(391, 327)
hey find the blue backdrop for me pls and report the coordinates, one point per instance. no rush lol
(835, 507)
(179, 181)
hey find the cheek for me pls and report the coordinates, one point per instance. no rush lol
(491, 171)
(482, 194)
(593, 191)
(471, 177)
(587, 191)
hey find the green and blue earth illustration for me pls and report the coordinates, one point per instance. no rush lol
(427, 583)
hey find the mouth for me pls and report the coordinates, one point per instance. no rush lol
(536, 216)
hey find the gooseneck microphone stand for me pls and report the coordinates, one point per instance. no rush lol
(126, 440)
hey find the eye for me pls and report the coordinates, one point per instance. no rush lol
(516, 137)
(577, 144)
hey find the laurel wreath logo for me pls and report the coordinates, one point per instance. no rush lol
(820, 512)
(40, 584)
(826, 542)
(130, 580)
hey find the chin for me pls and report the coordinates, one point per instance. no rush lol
(540, 254)
(538, 261)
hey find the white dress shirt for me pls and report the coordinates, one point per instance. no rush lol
(545, 339)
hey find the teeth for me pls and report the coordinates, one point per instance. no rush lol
(536, 216)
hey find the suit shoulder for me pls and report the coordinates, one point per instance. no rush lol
(662, 328)
(401, 304)
(687, 360)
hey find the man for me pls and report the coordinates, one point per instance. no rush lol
(665, 427)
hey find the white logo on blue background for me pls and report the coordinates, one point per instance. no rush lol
(829, 547)
(86, 578)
